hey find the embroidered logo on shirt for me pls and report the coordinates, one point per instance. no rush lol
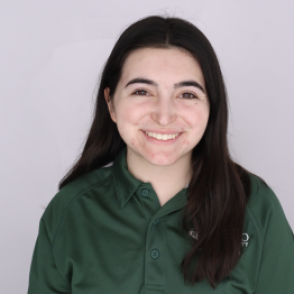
(245, 239)
(193, 234)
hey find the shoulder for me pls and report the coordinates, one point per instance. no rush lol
(80, 186)
(261, 194)
(268, 242)
(61, 203)
(263, 206)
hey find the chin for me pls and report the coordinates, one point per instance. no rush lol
(161, 159)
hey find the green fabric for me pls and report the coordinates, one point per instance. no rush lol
(106, 233)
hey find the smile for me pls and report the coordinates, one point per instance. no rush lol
(162, 136)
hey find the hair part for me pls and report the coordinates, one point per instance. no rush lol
(219, 188)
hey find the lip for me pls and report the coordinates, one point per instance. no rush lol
(161, 142)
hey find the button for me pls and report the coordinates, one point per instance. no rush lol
(156, 221)
(154, 253)
(145, 193)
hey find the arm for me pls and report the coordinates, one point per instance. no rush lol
(276, 271)
(44, 276)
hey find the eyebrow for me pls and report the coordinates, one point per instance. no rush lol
(178, 85)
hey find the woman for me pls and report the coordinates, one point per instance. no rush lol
(155, 203)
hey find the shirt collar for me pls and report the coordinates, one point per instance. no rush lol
(125, 183)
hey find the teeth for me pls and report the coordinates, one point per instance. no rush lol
(161, 137)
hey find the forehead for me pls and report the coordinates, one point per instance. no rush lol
(162, 63)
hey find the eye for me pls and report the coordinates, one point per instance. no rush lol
(141, 93)
(188, 95)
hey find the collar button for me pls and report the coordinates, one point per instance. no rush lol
(144, 193)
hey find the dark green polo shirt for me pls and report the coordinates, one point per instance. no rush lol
(106, 233)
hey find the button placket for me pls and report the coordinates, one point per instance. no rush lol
(155, 256)
(156, 221)
(154, 253)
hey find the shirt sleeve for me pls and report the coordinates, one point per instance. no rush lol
(44, 277)
(276, 270)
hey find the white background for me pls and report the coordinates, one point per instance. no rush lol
(51, 55)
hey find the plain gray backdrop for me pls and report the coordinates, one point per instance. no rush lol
(51, 55)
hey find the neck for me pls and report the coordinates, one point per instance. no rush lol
(167, 180)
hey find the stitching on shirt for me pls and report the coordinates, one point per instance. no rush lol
(72, 201)
(54, 258)
(264, 236)
(117, 195)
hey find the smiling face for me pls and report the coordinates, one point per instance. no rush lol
(161, 92)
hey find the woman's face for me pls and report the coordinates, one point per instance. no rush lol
(161, 92)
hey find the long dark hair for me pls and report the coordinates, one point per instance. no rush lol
(219, 188)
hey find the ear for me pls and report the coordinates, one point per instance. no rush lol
(109, 104)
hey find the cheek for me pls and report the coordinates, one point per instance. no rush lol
(132, 113)
(127, 119)
(134, 143)
(202, 115)
(128, 116)
(198, 118)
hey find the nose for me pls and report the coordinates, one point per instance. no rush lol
(164, 110)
